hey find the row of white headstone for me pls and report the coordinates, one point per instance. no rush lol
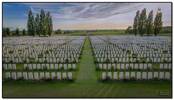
(41, 66)
(51, 60)
(38, 75)
(114, 54)
(9, 66)
(136, 66)
(135, 75)
(127, 59)
(101, 50)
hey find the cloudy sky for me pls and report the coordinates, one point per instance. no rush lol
(70, 16)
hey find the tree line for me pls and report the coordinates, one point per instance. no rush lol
(7, 32)
(146, 25)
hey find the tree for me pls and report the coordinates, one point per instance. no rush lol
(17, 32)
(37, 24)
(23, 32)
(47, 23)
(30, 24)
(50, 25)
(158, 22)
(42, 22)
(128, 30)
(58, 31)
(142, 22)
(150, 23)
(6, 31)
(135, 25)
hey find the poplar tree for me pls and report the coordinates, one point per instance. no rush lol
(37, 24)
(150, 23)
(142, 22)
(158, 22)
(42, 23)
(47, 23)
(23, 32)
(17, 32)
(135, 25)
(30, 23)
(50, 26)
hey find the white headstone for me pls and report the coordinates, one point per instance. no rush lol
(69, 66)
(36, 75)
(144, 75)
(100, 66)
(141, 66)
(47, 75)
(59, 75)
(30, 75)
(74, 66)
(170, 66)
(150, 66)
(138, 76)
(56, 66)
(105, 66)
(25, 75)
(165, 66)
(133, 75)
(155, 75)
(47, 66)
(167, 75)
(52, 66)
(121, 75)
(132, 66)
(109, 75)
(41, 75)
(34, 66)
(69, 75)
(109, 66)
(118, 66)
(135, 66)
(127, 76)
(161, 66)
(150, 75)
(103, 75)
(127, 66)
(38, 66)
(53, 75)
(13, 75)
(161, 75)
(145, 66)
(7, 75)
(64, 76)
(115, 77)
(5, 66)
(19, 75)
(122, 66)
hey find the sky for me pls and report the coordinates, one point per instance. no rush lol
(82, 16)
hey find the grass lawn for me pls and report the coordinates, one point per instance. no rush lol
(97, 32)
(87, 85)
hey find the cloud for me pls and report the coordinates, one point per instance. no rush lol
(80, 11)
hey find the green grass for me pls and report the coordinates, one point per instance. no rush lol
(96, 32)
(19, 66)
(86, 85)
